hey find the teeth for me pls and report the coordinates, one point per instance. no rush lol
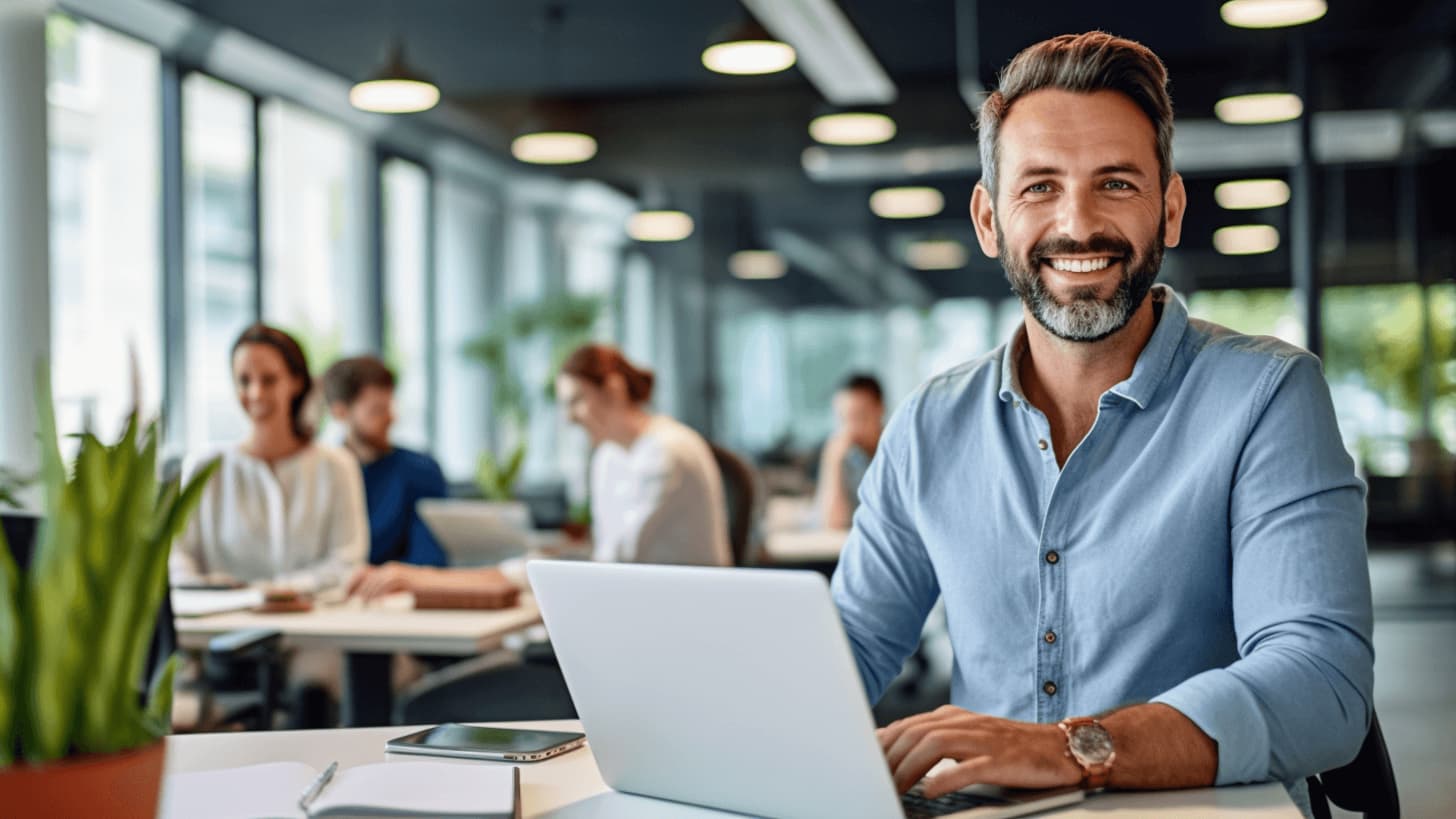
(1080, 265)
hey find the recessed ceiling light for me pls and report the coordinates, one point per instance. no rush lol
(1251, 194)
(660, 226)
(906, 203)
(554, 147)
(852, 128)
(936, 254)
(757, 264)
(1271, 13)
(1255, 109)
(1245, 240)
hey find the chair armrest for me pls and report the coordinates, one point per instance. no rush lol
(245, 643)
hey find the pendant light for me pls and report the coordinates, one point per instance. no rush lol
(395, 88)
(539, 143)
(746, 48)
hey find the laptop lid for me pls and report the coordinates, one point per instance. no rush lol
(732, 688)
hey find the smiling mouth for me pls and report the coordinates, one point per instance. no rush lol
(1080, 265)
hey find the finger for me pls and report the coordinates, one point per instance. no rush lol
(972, 771)
(892, 732)
(357, 578)
(921, 726)
(936, 745)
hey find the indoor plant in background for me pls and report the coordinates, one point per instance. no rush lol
(77, 737)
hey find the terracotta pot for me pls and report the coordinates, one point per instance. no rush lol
(127, 784)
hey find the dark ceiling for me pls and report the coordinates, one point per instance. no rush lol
(629, 72)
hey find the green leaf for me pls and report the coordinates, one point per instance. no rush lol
(10, 642)
(158, 714)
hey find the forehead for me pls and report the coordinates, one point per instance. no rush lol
(375, 393)
(258, 357)
(1070, 131)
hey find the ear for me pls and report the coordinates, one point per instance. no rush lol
(1175, 202)
(339, 410)
(983, 217)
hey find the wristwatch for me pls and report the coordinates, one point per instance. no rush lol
(1090, 746)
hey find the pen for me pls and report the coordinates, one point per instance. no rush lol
(317, 786)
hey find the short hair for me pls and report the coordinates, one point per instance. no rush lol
(293, 359)
(348, 377)
(865, 383)
(1081, 63)
(594, 362)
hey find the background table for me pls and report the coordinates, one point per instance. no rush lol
(570, 787)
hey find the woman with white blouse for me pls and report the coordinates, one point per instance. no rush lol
(281, 510)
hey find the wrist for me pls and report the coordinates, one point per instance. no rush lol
(1089, 746)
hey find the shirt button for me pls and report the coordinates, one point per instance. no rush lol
(1041, 444)
(1050, 688)
(1052, 557)
(1050, 637)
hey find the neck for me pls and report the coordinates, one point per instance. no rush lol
(1066, 378)
(363, 450)
(633, 423)
(271, 442)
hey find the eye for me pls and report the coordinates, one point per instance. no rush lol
(1040, 187)
(1119, 185)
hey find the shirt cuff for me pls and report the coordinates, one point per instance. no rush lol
(1224, 708)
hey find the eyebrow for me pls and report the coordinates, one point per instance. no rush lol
(1127, 168)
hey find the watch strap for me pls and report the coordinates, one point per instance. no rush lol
(1095, 775)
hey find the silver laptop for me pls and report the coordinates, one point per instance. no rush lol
(732, 689)
(475, 533)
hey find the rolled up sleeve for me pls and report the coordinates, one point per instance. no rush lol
(1299, 699)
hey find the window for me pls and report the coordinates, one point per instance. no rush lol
(105, 169)
(405, 189)
(220, 280)
(1373, 361)
(1266, 312)
(314, 282)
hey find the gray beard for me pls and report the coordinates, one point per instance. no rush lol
(1086, 317)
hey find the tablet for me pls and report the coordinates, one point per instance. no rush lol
(475, 742)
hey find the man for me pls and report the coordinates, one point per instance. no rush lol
(859, 414)
(1142, 525)
(360, 393)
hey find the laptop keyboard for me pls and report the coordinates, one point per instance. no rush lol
(918, 807)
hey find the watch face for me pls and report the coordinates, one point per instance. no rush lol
(1090, 744)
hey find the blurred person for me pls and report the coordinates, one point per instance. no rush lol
(859, 414)
(656, 493)
(360, 395)
(1148, 536)
(281, 510)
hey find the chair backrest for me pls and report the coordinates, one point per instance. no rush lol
(742, 497)
(1367, 784)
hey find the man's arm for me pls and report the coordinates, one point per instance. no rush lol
(424, 549)
(833, 505)
(1156, 747)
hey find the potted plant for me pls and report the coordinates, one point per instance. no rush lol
(77, 736)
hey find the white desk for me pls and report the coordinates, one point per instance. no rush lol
(569, 786)
(812, 546)
(377, 629)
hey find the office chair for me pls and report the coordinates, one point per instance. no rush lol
(744, 501)
(1365, 786)
(503, 686)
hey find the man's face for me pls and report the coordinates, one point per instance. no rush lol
(1079, 221)
(370, 416)
(859, 414)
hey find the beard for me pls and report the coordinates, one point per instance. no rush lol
(1085, 317)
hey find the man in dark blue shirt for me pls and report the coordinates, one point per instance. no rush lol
(360, 393)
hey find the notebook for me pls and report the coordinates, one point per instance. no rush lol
(272, 791)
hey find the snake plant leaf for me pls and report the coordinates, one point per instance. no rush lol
(10, 640)
(157, 718)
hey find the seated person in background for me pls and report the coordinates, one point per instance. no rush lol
(360, 393)
(281, 509)
(1147, 533)
(859, 414)
(656, 493)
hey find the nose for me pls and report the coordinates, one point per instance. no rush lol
(1079, 215)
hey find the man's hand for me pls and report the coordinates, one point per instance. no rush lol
(370, 582)
(989, 750)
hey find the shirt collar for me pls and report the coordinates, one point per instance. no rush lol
(1147, 373)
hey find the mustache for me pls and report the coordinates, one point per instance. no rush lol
(1067, 246)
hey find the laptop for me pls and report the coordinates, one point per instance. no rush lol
(474, 532)
(731, 689)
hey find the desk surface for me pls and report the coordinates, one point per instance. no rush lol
(810, 546)
(385, 629)
(570, 787)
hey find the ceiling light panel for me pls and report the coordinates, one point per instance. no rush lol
(1271, 13)
(832, 55)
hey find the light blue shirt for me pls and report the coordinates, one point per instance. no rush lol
(1203, 547)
